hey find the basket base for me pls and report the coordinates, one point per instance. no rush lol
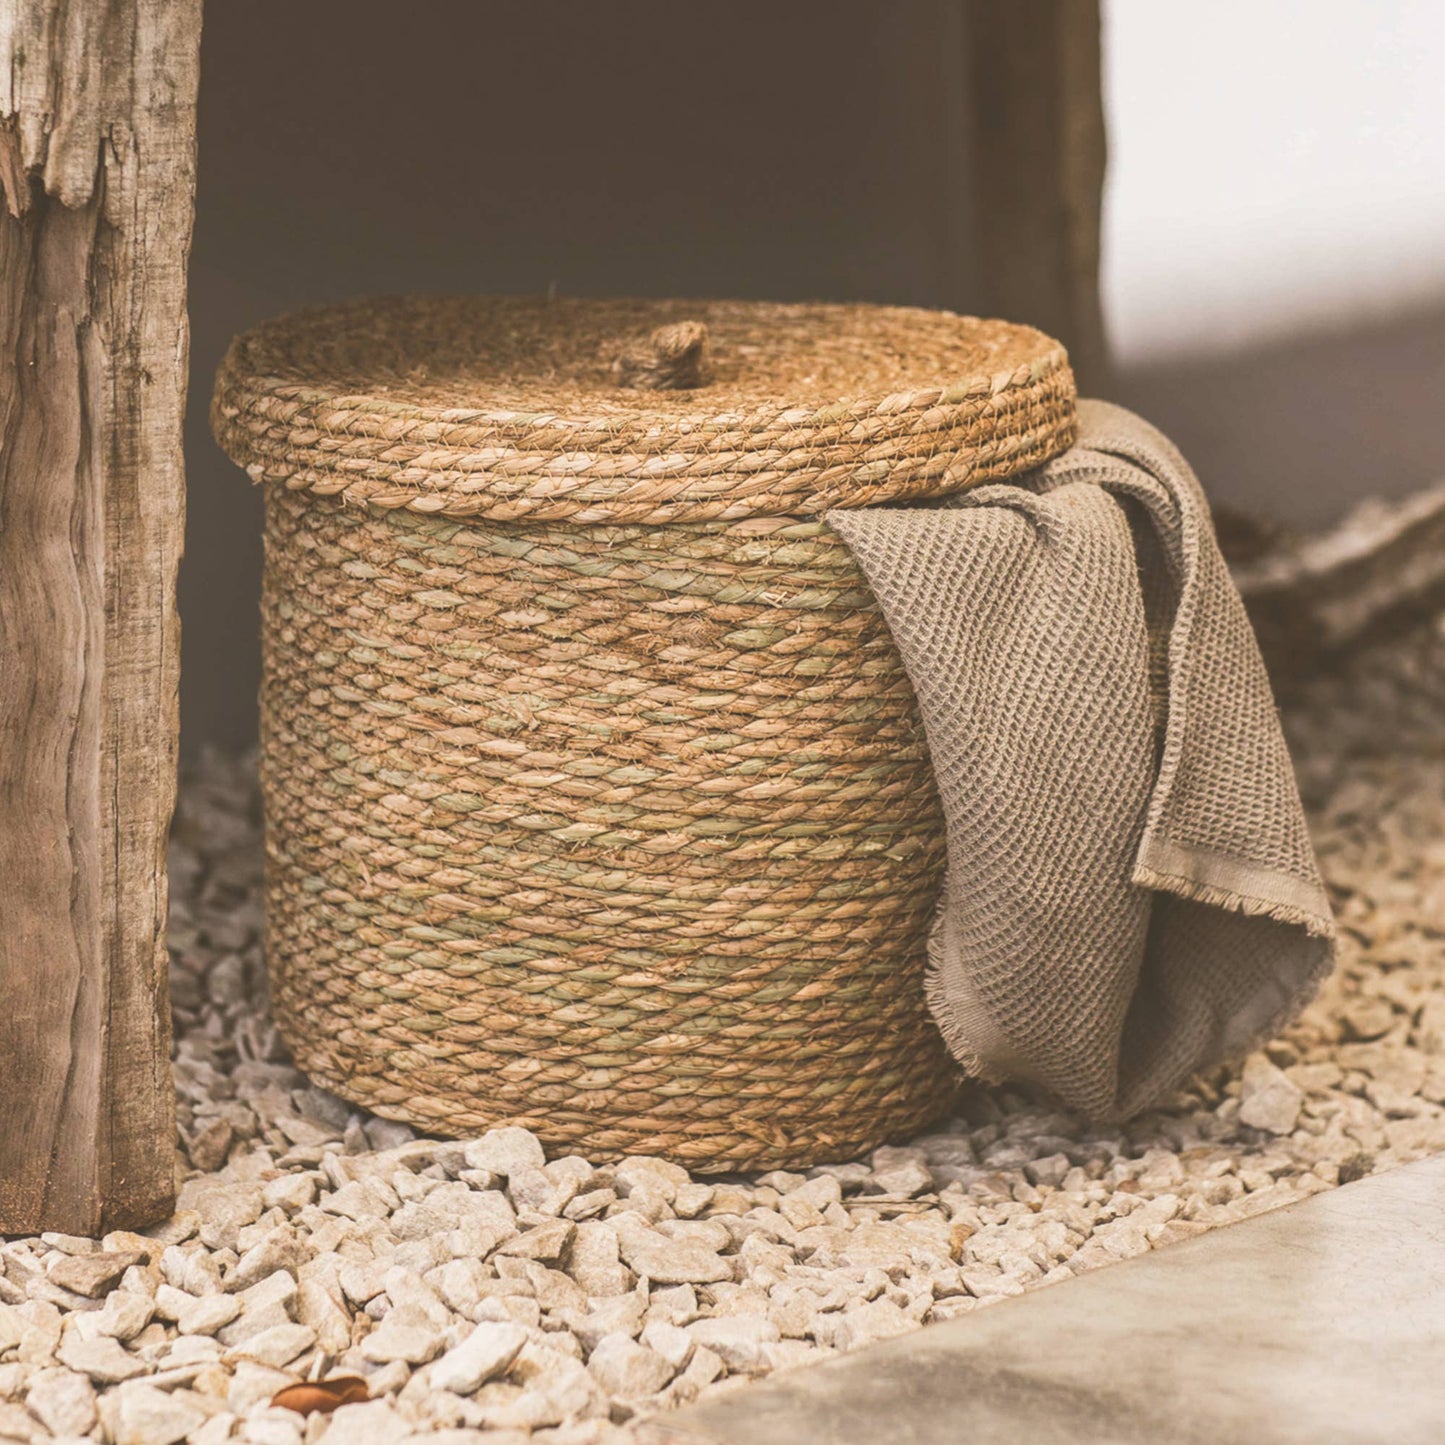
(727, 1145)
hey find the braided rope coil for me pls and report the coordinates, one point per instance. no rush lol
(605, 810)
(376, 402)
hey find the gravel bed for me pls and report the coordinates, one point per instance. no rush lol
(484, 1293)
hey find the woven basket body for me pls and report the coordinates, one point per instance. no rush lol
(596, 795)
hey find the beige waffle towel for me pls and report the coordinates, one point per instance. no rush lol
(1131, 890)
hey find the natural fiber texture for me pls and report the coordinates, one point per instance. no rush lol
(624, 832)
(510, 408)
(1131, 891)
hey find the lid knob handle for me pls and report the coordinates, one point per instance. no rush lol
(672, 358)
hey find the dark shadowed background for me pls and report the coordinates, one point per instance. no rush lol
(791, 152)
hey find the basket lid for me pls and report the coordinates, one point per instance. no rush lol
(516, 408)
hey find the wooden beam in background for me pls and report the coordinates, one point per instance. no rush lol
(1038, 165)
(97, 163)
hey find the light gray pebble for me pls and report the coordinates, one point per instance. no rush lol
(272, 1427)
(674, 1344)
(737, 1340)
(276, 1346)
(194, 1316)
(140, 1414)
(668, 1261)
(62, 1400)
(101, 1359)
(499, 1151)
(376, 1422)
(1270, 1099)
(406, 1334)
(627, 1370)
(485, 1353)
(126, 1313)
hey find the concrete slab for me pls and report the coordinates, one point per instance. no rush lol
(1320, 1324)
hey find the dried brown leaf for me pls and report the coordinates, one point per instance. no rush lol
(323, 1396)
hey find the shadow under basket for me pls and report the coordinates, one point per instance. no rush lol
(597, 798)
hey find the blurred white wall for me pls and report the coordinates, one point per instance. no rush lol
(1277, 167)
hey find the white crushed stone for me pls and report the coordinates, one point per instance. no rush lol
(479, 1287)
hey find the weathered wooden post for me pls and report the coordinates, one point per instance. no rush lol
(1039, 155)
(97, 165)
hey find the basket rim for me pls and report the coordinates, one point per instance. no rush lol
(356, 400)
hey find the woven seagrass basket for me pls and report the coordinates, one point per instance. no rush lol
(597, 798)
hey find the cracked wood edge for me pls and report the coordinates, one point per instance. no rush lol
(97, 163)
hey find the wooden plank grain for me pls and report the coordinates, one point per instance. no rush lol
(50, 621)
(97, 160)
